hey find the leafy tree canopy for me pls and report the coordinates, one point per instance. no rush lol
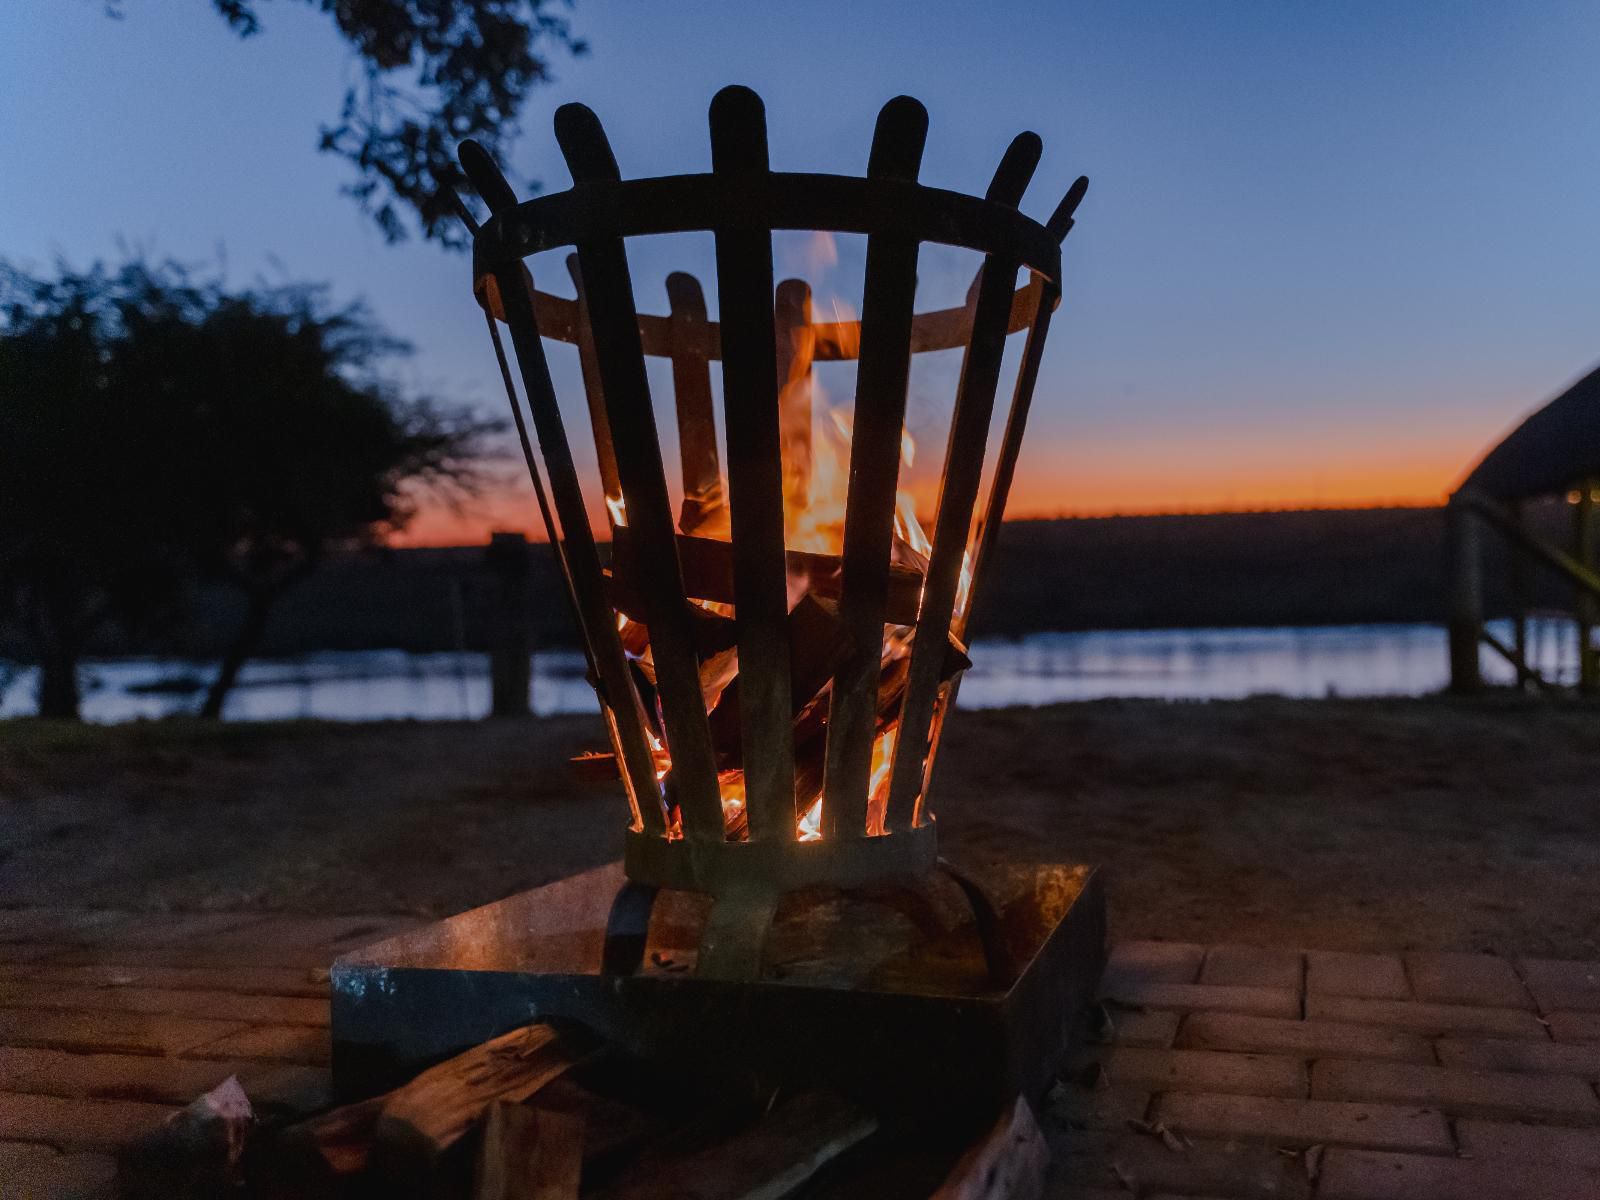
(431, 73)
(155, 426)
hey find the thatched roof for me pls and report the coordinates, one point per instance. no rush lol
(1549, 453)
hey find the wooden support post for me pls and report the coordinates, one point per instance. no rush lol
(510, 644)
(1585, 608)
(1466, 597)
(1520, 593)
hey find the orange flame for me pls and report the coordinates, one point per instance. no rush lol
(815, 467)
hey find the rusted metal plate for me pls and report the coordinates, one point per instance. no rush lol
(883, 996)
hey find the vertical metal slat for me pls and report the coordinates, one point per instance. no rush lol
(1045, 296)
(1049, 295)
(882, 374)
(958, 492)
(583, 560)
(614, 325)
(755, 479)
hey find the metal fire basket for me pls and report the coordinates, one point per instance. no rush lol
(717, 575)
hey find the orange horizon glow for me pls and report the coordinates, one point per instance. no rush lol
(1098, 475)
(1421, 487)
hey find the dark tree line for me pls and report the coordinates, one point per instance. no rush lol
(157, 430)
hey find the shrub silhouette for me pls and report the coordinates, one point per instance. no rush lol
(154, 428)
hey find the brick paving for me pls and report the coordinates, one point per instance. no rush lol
(111, 1020)
(1334, 1076)
(1223, 1072)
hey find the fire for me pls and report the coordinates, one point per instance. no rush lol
(815, 461)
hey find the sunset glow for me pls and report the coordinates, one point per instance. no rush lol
(1143, 491)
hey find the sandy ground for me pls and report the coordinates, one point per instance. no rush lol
(1334, 824)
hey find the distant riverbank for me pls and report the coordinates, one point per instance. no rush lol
(1221, 570)
(1039, 668)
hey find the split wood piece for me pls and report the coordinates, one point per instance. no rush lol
(594, 390)
(529, 1153)
(619, 1124)
(816, 647)
(422, 1120)
(796, 344)
(704, 507)
(1010, 1163)
(196, 1152)
(713, 634)
(813, 651)
(707, 565)
(318, 1157)
(811, 723)
(767, 1161)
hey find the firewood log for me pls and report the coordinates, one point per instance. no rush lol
(529, 1153)
(196, 1152)
(817, 645)
(315, 1159)
(707, 565)
(768, 1160)
(1009, 1163)
(421, 1121)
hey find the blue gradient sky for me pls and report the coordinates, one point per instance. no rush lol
(1330, 249)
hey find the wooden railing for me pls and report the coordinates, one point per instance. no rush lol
(1471, 511)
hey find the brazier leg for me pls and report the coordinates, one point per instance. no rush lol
(735, 935)
(627, 929)
(1002, 970)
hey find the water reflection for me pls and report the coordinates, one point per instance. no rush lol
(1044, 668)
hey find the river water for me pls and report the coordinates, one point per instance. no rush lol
(1043, 668)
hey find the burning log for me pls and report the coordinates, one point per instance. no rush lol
(816, 646)
(796, 345)
(707, 565)
(705, 509)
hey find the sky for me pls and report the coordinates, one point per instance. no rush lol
(1331, 251)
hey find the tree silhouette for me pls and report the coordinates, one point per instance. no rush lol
(169, 428)
(432, 73)
(81, 540)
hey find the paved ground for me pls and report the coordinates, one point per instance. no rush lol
(1221, 1072)
(1235, 1071)
(109, 1020)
